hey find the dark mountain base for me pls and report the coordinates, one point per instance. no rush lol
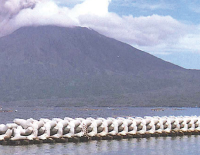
(153, 99)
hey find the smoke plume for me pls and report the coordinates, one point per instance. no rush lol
(143, 31)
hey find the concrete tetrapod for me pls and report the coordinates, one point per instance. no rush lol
(31, 131)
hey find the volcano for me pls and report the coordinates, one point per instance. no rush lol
(78, 66)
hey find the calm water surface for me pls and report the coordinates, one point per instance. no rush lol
(152, 146)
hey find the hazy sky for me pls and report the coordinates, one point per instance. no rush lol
(165, 28)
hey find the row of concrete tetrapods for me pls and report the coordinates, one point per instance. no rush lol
(31, 131)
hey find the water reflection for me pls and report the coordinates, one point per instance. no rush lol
(152, 146)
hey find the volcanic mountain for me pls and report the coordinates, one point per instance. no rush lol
(79, 66)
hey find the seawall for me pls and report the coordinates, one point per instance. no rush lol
(30, 131)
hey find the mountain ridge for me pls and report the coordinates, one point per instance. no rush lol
(47, 62)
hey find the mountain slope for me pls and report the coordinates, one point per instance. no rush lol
(50, 62)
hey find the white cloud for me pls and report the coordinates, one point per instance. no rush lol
(154, 32)
(46, 13)
(144, 31)
(190, 43)
(43, 12)
(94, 7)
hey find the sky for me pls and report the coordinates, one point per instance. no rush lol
(166, 29)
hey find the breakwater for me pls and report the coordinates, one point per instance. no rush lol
(31, 131)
